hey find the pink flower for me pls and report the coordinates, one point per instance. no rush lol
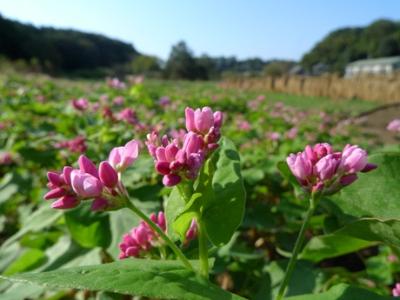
(394, 125)
(292, 133)
(243, 125)
(65, 202)
(6, 158)
(107, 114)
(300, 165)
(274, 136)
(107, 174)
(396, 290)
(319, 168)
(60, 189)
(85, 185)
(192, 232)
(142, 238)
(122, 157)
(175, 161)
(115, 83)
(183, 156)
(80, 104)
(326, 167)
(118, 101)
(354, 159)
(102, 185)
(76, 145)
(128, 115)
(202, 121)
(164, 101)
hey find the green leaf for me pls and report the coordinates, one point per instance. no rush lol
(183, 221)
(121, 222)
(342, 292)
(87, 228)
(374, 194)
(7, 188)
(228, 201)
(371, 229)
(373, 202)
(139, 277)
(331, 245)
(219, 195)
(43, 217)
(26, 262)
(305, 278)
(174, 206)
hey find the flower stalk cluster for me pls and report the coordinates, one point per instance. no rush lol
(321, 169)
(102, 185)
(178, 160)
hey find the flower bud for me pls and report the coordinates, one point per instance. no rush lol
(99, 204)
(54, 178)
(171, 179)
(354, 159)
(54, 193)
(299, 165)
(108, 175)
(65, 202)
(203, 119)
(348, 179)
(326, 167)
(87, 166)
(191, 234)
(189, 116)
(67, 174)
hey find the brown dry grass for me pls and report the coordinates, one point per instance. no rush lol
(383, 89)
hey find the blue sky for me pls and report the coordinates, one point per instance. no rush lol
(244, 28)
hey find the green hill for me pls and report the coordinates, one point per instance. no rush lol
(59, 50)
(379, 39)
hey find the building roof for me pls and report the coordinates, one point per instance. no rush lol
(375, 61)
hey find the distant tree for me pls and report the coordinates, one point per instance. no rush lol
(389, 46)
(146, 64)
(206, 67)
(181, 64)
(61, 50)
(277, 68)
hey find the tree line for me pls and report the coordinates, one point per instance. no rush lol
(58, 50)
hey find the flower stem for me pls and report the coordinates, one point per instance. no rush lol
(161, 233)
(203, 248)
(297, 248)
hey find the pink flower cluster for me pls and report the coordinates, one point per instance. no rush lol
(75, 145)
(80, 104)
(396, 290)
(6, 158)
(142, 239)
(164, 101)
(175, 159)
(128, 115)
(319, 168)
(71, 186)
(116, 83)
(394, 125)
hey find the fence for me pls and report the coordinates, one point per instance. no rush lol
(383, 89)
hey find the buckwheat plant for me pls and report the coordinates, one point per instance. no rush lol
(322, 171)
(180, 161)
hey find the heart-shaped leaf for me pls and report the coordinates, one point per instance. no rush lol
(138, 277)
